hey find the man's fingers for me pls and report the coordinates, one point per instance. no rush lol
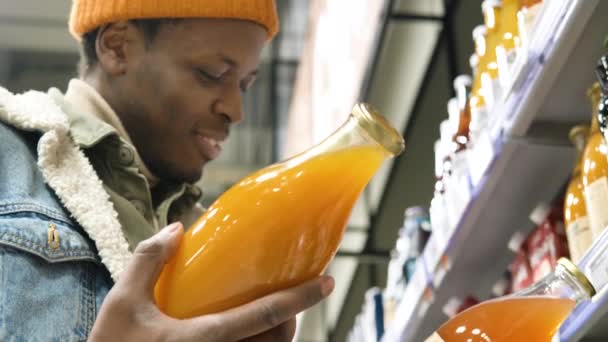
(150, 257)
(268, 312)
(283, 333)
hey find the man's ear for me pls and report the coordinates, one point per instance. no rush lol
(118, 45)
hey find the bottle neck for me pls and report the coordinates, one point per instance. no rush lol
(595, 126)
(595, 96)
(579, 142)
(566, 282)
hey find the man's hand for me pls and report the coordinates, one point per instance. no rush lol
(130, 314)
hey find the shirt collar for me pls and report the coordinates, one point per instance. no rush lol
(94, 119)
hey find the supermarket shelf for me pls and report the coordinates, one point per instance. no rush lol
(588, 321)
(477, 253)
(529, 162)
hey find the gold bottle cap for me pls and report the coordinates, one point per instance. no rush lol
(580, 276)
(578, 131)
(379, 128)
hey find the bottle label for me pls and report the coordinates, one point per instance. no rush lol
(434, 338)
(596, 196)
(580, 237)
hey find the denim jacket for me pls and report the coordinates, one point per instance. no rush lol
(66, 228)
(61, 244)
(51, 280)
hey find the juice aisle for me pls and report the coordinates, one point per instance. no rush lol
(521, 171)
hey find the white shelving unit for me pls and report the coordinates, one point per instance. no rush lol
(530, 162)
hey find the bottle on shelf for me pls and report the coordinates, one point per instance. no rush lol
(490, 84)
(526, 17)
(547, 243)
(602, 75)
(462, 87)
(578, 231)
(594, 173)
(279, 226)
(506, 50)
(533, 314)
(477, 104)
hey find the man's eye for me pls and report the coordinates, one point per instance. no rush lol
(208, 76)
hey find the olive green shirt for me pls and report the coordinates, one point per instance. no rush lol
(119, 167)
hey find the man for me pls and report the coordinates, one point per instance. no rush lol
(87, 178)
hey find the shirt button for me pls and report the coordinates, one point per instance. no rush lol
(126, 155)
(140, 206)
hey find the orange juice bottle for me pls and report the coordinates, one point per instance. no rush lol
(462, 87)
(509, 39)
(489, 78)
(578, 231)
(278, 227)
(534, 314)
(595, 170)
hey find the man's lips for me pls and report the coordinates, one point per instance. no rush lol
(209, 147)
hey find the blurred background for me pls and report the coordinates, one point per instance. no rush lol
(402, 57)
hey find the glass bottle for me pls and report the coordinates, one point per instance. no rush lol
(279, 226)
(602, 76)
(491, 10)
(595, 170)
(477, 102)
(509, 39)
(533, 314)
(525, 19)
(462, 87)
(575, 210)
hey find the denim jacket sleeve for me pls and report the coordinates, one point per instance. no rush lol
(51, 280)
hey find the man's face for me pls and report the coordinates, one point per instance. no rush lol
(179, 95)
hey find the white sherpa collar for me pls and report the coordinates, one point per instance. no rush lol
(69, 173)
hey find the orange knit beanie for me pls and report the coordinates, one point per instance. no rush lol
(88, 15)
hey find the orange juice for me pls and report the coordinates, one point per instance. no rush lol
(595, 171)
(575, 210)
(509, 319)
(275, 229)
(509, 32)
(493, 19)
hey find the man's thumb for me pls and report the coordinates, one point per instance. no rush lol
(150, 257)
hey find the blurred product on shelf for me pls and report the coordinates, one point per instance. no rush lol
(601, 71)
(462, 87)
(413, 237)
(369, 324)
(595, 170)
(456, 305)
(520, 270)
(506, 51)
(479, 113)
(547, 243)
(576, 221)
(490, 84)
(526, 19)
(503, 286)
(477, 105)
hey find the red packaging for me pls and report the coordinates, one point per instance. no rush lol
(457, 305)
(546, 245)
(468, 302)
(520, 271)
